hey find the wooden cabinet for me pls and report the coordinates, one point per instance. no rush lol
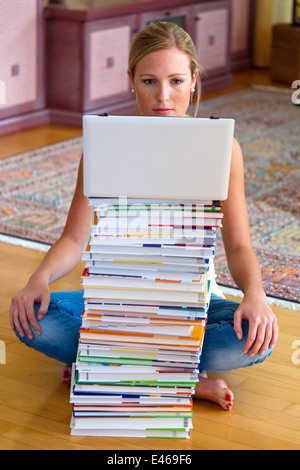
(87, 66)
(22, 77)
(107, 49)
(211, 37)
(180, 15)
(58, 62)
(88, 52)
(285, 54)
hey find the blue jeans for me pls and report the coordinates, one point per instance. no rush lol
(222, 351)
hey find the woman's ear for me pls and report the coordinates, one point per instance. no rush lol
(130, 79)
(194, 78)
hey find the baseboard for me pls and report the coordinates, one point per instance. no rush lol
(74, 118)
(24, 121)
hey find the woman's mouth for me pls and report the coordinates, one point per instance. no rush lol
(163, 111)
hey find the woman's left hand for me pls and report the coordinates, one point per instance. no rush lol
(263, 329)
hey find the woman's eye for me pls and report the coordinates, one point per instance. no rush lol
(177, 81)
(149, 81)
(152, 81)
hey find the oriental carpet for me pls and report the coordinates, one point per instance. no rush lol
(36, 187)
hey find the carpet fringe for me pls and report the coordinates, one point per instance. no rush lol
(270, 300)
(226, 290)
(24, 243)
(273, 89)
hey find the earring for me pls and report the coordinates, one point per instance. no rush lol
(132, 91)
(193, 90)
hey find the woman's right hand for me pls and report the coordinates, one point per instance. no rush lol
(22, 313)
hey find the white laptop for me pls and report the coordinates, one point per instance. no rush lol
(155, 158)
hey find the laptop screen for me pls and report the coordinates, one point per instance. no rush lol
(157, 158)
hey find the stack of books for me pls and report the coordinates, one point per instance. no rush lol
(147, 290)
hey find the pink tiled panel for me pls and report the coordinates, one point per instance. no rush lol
(18, 52)
(211, 38)
(109, 62)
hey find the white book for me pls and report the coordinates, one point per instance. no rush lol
(129, 318)
(96, 389)
(190, 348)
(94, 351)
(166, 330)
(92, 306)
(184, 251)
(144, 284)
(140, 295)
(145, 272)
(135, 408)
(132, 423)
(154, 259)
(131, 414)
(149, 433)
(135, 378)
(186, 273)
(126, 400)
(208, 238)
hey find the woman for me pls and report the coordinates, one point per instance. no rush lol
(164, 75)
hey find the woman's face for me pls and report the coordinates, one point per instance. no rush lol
(163, 83)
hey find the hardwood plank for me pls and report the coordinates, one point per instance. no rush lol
(293, 410)
(33, 138)
(262, 396)
(9, 439)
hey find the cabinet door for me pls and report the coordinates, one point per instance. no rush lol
(211, 37)
(107, 45)
(21, 57)
(181, 16)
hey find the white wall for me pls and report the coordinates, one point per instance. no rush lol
(282, 11)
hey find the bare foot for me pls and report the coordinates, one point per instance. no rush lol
(214, 390)
(66, 375)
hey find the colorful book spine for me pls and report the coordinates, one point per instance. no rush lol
(147, 291)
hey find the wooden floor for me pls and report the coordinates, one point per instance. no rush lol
(34, 406)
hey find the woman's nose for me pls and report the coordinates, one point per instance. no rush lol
(163, 92)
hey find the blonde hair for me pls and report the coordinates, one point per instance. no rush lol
(164, 35)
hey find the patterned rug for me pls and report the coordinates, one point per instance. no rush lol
(36, 187)
(267, 127)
